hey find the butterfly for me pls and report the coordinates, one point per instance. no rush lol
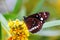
(35, 22)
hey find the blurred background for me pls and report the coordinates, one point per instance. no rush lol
(16, 9)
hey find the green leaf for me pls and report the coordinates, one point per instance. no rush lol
(10, 16)
(17, 6)
(21, 13)
(4, 24)
(0, 32)
(51, 24)
(38, 6)
(34, 37)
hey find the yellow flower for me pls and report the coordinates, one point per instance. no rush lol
(18, 30)
(11, 23)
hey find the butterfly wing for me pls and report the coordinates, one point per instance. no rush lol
(35, 22)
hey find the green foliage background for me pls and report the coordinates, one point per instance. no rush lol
(31, 7)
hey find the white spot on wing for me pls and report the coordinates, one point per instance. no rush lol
(41, 18)
(33, 28)
(44, 13)
(45, 16)
(41, 21)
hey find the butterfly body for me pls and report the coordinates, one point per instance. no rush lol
(35, 22)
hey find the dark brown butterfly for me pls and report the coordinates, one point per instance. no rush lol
(35, 22)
